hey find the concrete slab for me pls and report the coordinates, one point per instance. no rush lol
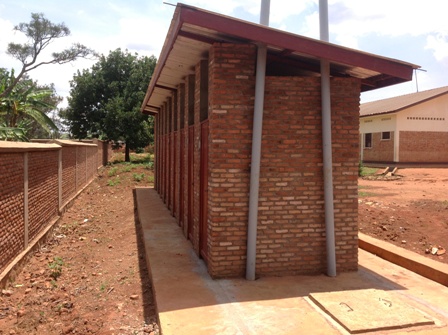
(369, 310)
(190, 302)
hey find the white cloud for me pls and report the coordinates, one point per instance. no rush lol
(224, 7)
(141, 26)
(438, 43)
(352, 19)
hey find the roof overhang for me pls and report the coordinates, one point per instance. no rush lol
(194, 30)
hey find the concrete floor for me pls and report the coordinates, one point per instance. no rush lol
(190, 302)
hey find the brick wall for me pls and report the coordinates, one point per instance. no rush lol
(180, 156)
(423, 146)
(381, 150)
(43, 189)
(11, 207)
(345, 94)
(231, 99)
(104, 152)
(81, 166)
(68, 173)
(39, 163)
(291, 225)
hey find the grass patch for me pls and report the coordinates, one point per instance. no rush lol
(363, 194)
(112, 172)
(113, 182)
(367, 171)
(127, 168)
(138, 176)
(151, 179)
(135, 158)
(56, 267)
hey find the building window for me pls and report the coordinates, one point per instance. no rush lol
(368, 140)
(385, 135)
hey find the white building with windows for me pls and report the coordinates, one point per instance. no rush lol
(411, 128)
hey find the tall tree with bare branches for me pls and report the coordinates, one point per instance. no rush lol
(40, 33)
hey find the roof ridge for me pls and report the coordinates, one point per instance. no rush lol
(407, 94)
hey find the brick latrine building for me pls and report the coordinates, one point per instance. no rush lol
(202, 96)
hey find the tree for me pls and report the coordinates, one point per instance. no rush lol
(40, 33)
(105, 100)
(25, 105)
(53, 99)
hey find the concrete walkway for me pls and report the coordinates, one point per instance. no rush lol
(190, 302)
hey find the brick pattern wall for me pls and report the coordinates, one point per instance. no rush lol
(91, 162)
(68, 173)
(80, 167)
(291, 218)
(43, 189)
(345, 93)
(180, 158)
(11, 207)
(176, 144)
(104, 151)
(197, 157)
(189, 87)
(231, 100)
(381, 150)
(291, 226)
(165, 166)
(171, 154)
(423, 146)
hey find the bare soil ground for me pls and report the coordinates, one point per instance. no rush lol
(410, 211)
(91, 276)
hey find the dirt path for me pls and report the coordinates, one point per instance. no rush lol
(411, 212)
(91, 277)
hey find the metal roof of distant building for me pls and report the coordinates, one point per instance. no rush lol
(395, 104)
(194, 30)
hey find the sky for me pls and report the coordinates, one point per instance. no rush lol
(413, 31)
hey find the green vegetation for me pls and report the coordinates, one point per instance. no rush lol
(365, 171)
(56, 267)
(128, 168)
(119, 158)
(362, 194)
(113, 182)
(138, 176)
(105, 100)
(103, 286)
(23, 112)
(24, 104)
(118, 169)
(112, 172)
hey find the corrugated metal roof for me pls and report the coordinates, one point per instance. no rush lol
(194, 30)
(395, 104)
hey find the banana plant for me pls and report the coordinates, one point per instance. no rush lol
(24, 102)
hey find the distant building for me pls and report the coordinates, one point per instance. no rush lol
(411, 128)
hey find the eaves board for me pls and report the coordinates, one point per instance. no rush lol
(193, 30)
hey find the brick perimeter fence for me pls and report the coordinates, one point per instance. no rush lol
(37, 182)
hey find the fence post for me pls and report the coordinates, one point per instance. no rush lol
(60, 179)
(76, 170)
(25, 198)
(86, 165)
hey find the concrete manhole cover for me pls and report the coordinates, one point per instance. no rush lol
(368, 310)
